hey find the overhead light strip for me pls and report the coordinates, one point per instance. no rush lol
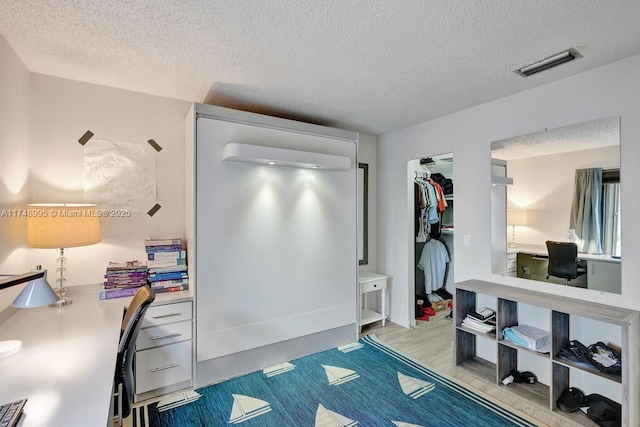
(550, 62)
(274, 156)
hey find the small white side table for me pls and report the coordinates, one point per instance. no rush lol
(371, 282)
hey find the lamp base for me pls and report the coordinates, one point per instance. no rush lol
(61, 302)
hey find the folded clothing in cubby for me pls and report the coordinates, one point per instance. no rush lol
(529, 337)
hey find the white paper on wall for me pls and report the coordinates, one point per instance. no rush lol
(120, 175)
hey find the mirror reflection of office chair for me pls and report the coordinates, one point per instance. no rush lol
(128, 335)
(563, 261)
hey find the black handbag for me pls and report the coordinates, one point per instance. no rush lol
(605, 358)
(604, 411)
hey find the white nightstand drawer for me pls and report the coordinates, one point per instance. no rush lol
(163, 366)
(375, 285)
(167, 313)
(164, 334)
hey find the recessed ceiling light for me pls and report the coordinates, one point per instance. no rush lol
(272, 162)
(550, 62)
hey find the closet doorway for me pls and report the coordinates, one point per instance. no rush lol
(431, 228)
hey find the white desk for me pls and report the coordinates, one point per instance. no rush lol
(603, 271)
(67, 363)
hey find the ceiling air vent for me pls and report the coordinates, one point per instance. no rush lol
(550, 62)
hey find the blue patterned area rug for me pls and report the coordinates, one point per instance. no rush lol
(363, 384)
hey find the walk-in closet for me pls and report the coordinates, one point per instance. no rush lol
(432, 223)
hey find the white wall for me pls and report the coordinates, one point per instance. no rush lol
(14, 164)
(41, 120)
(544, 187)
(612, 90)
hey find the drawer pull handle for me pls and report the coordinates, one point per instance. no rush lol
(166, 336)
(162, 368)
(161, 316)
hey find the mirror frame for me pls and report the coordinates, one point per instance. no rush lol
(363, 194)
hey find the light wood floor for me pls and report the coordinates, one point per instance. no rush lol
(431, 343)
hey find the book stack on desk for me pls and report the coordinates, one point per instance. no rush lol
(123, 279)
(167, 265)
(482, 320)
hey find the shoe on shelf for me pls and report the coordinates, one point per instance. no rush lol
(443, 293)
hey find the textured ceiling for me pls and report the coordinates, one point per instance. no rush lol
(367, 65)
(582, 136)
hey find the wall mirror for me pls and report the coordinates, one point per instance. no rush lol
(559, 185)
(363, 208)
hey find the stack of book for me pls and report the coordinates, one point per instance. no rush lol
(482, 320)
(123, 279)
(167, 264)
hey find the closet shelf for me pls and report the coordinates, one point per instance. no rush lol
(283, 157)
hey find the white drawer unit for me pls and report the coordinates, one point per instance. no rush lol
(164, 350)
(162, 366)
(164, 334)
(368, 283)
(168, 313)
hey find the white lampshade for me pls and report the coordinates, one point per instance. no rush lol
(516, 217)
(55, 226)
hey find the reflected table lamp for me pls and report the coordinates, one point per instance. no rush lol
(515, 217)
(61, 226)
(37, 293)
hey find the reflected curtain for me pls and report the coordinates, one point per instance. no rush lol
(586, 210)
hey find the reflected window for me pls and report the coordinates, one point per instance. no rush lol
(611, 212)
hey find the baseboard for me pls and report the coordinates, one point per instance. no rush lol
(222, 368)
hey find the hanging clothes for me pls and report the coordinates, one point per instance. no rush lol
(433, 261)
(429, 205)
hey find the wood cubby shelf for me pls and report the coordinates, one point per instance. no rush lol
(562, 311)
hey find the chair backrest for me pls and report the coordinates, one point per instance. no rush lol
(130, 327)
(562, 259)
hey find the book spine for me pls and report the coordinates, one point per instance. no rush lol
(169, 283)
(126, 274)
(123, 286)
(163, 248)
(160, 255)
(162, 277)
(166, 263)
(169, 269)
(162, 242)
(171, 289)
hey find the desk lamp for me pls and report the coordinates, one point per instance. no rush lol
(60, 226)
(515, 217)
(37, 293)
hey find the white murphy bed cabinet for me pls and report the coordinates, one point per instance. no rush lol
(272, 247)
(562, 312)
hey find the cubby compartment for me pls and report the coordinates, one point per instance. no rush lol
(566, 319)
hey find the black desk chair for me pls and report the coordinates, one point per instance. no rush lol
(128, 335)
(563, 261)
